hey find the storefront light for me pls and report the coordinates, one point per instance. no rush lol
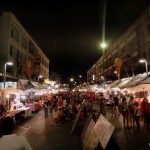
(124, 93)
(115, 93)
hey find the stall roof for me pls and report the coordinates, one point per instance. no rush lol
(38, 85)
(35, 84)
(113, 83)
(137, 79)
(11, 90)
(146, 81)
(24, 84)
(123, 83)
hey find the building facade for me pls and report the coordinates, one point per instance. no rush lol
(17, 45)
(130, 47)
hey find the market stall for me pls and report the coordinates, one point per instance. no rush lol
(13, 104)
(137, 79)
(34, 106)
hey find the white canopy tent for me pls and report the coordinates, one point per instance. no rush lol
(124, 82)
(146, 81)
(112, 84)
(32, 90)
(137, 79)
(10, 90)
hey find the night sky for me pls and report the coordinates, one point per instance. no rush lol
(70, 32)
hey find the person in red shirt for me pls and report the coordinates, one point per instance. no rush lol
(145, 107)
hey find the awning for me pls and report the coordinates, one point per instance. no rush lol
(27, 84)
(146, 81)
(10, 90)
(35, 84)
(124, 82)
(32, 90)
(112, 84)
(137, 79)
(38, 85)
(24, 84)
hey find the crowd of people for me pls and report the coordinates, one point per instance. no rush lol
(64, 107)
(132, 111)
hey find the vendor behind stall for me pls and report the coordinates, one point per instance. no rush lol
(2, 116)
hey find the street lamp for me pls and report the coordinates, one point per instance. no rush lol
(103, 46)
(40, 76)
(144, 61)
(80, 76)
(71, 79)
(5, 67)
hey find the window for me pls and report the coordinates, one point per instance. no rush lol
(24, 42)
(31, 48)
(14, 33)
(11, 51)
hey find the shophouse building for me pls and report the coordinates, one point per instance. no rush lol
(16, 45)
(132, 45)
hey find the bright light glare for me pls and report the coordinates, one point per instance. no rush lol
(40, 76)
(80, 76)
(142, 60)
(103, 45)
(71, 80)
(9, 63)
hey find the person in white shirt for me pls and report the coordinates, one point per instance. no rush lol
(11, 141)
(137, 115)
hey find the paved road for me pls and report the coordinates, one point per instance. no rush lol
(42, 135)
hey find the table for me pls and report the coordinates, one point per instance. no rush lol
(13, 114)
(33, 106)
(26, 111)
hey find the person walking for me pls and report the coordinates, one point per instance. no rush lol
(131, 110)
(145, 107)
(125, 112)
(54, 110)
(116, 106)
(46, 105)
(102, 104)
(137, 115)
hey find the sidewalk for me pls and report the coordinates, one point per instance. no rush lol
(128, 139)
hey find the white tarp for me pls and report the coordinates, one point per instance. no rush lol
(32, 90)
(112, 84)
(11, 90)
(146, 81)
(137, 79)
(123, 82)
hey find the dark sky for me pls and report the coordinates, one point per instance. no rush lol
(70, 32)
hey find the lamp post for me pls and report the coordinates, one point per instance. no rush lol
(103, 46)
(71, 79)
(80, 76)
(144, 61)
(5, 67)
(40, 76)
